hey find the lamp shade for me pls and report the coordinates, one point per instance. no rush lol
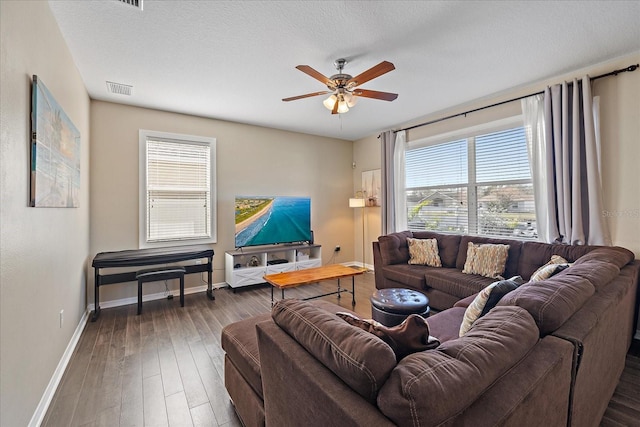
(330, 102)
(356, 203)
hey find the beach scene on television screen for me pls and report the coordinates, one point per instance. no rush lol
(272, 220)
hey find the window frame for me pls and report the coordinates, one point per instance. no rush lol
(144, 136)
(469, 134)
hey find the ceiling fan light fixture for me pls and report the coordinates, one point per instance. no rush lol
(330, 102)
(350, 99)
(342, 105)
(344, 88)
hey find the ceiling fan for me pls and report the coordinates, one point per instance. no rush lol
(344, 88)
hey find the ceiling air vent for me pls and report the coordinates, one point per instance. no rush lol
(135, 3)
(119, 88)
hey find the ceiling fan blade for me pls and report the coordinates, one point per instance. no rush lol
(335, 108)
(385, 96)
(293, 98)
(313, 73)
(373, 72)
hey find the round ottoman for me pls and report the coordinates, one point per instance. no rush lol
(392, 305)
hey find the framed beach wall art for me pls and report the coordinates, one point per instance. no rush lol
(55, 152)
(371, 187)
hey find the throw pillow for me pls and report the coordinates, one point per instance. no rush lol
(410, 336)
(486, 300)
(424, 252)
(548, 271)
(486, 259)
(555, 265)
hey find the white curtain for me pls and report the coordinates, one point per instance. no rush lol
(394, 211)
(565, 160)
(539, 159)
(399, 171)
(387, 212)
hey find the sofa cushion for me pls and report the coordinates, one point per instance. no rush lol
(536, 254)
(487, 299)
(461, 369)
(240, 342)
(423, 252)
(511, 267)
(571, 252)
(455, 282)
(448, 245)
(487, 260)
(598, 272)
(410, 275)
(615, 255)
(551, 302)
(533, 256)
(393, 248)
(408, 337)
(445, 325)
(358, 358)
(464, 302)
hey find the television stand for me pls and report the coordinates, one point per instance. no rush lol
(248, 266)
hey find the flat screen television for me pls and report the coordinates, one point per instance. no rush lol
(272, 220)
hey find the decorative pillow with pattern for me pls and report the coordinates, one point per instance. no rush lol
(424, 252)
(408, 337)
(550, 268)
(487, 299)
(486, 259)
(543, 273)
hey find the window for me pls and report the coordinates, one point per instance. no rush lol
(177, 189)
(477, 181)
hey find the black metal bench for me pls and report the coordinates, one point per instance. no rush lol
(158, 274)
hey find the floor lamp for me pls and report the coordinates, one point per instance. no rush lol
(359, 203)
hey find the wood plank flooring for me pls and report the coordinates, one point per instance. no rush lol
(165, 367)
(624, 406)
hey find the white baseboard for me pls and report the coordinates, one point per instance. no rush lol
(358, 264)
(151, 297)
(50, 391)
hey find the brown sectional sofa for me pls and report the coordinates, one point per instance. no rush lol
(550, 353)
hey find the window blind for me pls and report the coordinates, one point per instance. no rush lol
(178, 190)
(478, 185)
(502, 156)
(442, 164)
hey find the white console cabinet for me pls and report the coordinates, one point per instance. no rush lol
(248, 266)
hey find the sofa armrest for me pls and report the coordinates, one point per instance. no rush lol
(299, 390)
(377, 265)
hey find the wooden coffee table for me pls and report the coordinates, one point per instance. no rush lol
(292, 279)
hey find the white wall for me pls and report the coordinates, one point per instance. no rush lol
(250, 160)
(43, 251)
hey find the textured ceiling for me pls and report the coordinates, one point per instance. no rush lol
(235, 60)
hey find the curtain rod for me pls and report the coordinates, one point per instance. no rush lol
(612, 73)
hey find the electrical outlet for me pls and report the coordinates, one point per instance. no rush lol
(61, 318)
(337, 249)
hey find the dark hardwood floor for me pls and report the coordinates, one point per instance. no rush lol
(165, 367)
